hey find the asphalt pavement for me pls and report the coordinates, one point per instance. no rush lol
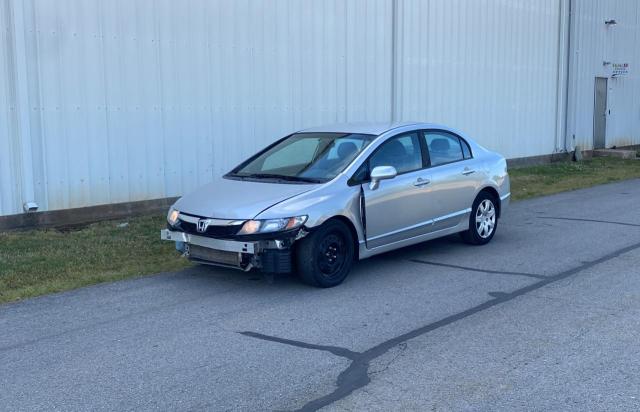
(545, 317)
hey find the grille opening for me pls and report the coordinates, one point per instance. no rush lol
(215, 256)
(225, 231)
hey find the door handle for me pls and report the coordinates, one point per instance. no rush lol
(467, 172)
(421, 182)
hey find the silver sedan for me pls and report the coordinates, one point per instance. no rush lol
(319, 199)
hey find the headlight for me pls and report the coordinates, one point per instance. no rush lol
(172, 216)
(251, 227)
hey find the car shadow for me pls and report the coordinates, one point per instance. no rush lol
(210, 275)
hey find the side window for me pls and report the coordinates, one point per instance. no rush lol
(402, 152)
(443, 147)
(361, 175)
(466, 150)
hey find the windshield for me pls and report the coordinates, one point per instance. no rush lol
(305, 157)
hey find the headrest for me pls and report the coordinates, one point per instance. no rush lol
(346, 149)
(394, 149)
(439, 145)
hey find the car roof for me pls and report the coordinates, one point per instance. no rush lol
(374, 128)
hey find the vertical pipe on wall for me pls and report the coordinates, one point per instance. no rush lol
(572, 80)
(394, 60)
(564, 40)
(23, 154)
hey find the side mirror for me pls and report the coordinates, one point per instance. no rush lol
(381, 173)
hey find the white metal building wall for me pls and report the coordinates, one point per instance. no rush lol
(487, 67)
(594, 43)
(146, 99)
(112, 101)
(11, 169)
(7, 179)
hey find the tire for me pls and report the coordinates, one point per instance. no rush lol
(325, 257)
(483, 220)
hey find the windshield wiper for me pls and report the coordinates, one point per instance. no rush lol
(281, 177)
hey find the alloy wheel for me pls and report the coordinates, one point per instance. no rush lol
(485, 218)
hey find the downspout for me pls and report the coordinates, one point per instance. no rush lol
(563, 76)
(23, 158)
(394, 60)
(571, 75)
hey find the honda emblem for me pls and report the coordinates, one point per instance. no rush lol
(202, 225)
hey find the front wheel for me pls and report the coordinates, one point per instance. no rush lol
(483, 220)
(324, 258)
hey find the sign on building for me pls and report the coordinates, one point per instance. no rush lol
(619, 69)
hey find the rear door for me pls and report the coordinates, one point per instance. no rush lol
(399, 208)
(454, 175)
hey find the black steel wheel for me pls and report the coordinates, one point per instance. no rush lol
(324, 258)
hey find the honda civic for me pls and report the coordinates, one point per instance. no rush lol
(318, 200)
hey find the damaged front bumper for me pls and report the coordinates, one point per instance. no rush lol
(273, 255)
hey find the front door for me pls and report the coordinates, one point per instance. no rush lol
(600, 113)
(398, 208)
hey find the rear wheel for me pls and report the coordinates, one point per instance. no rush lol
(483, 220)
(324, 258)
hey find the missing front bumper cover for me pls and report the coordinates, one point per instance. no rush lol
(268, 255)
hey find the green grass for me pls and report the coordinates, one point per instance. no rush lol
(552, 178)
(37, 262)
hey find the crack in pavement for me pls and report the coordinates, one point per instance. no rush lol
(495, 272)
(577, 219)
(402, 347)
(336, 350)
(356, 375)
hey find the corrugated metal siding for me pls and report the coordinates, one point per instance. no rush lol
(595, 43)
(132, 100)
(488, 67)
(149, 99)
(9, 189)
(624, 122)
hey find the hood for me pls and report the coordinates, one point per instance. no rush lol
(237, 199)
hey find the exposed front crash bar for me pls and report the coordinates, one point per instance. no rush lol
(217, 244)
(272, 255)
